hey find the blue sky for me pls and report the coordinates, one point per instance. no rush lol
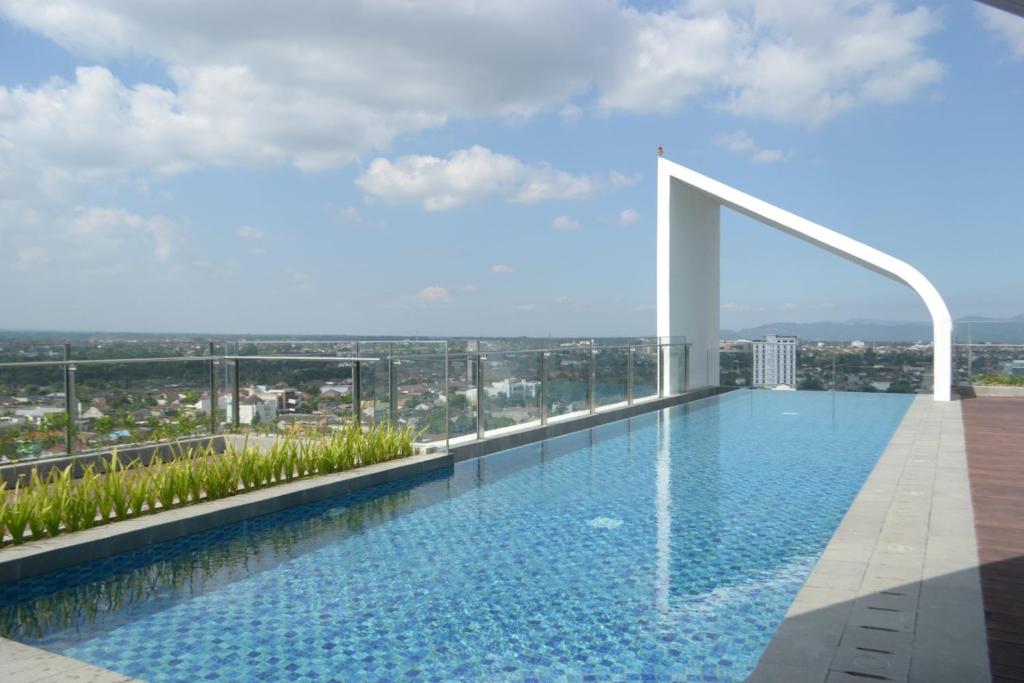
(463, 169)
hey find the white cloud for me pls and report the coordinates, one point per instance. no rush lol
(565, 223)
(770, 156)
(469, 288)
(300, 280)
(434, 294)
(570, 114)
(807, 307)
(735, 142)
(629, 217)
(501, 268)
(30, 257)
(622, 180)
(741, 143)
(1007, 27)
(247, 232)
(317, 85)
(101, 228)
(526, 307)
(733, 307)
(470, 175)
(795, 61)
(562, 300)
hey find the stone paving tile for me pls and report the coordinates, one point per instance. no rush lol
(899, 580)
(25, 664)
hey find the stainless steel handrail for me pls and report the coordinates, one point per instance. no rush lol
(178, 359)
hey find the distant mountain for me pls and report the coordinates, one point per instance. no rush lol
(1006, 330)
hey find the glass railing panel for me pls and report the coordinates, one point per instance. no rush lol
(289, 394)
(813, 368)
(120, 404)
(32, 412)
(142, 347)
(461, 395)
(420, 396)
(991, 363)
(735, 367)
(645, 372)
(375, 380)
(611, 369)
(681, 378)
(292, 347)
(567, 381)
(511, 391)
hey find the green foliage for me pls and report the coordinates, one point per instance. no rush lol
(999, 380)
(59, 503)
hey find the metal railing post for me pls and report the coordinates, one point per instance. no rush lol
(393, 390)
(661, 370)
(213, 389)
(686, 367)
(970, 352)
(447, 403)
(235, 393)
(357, 392)
(542, 370)
(69, 401)
(592, 380)
(481, 420)
(629, 375)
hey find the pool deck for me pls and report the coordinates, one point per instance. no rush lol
(995, 455)
(896, 595)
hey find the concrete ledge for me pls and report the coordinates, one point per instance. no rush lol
(994, 391)
(51, 554)
(536, 432)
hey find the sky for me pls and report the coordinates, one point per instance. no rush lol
(488, 168)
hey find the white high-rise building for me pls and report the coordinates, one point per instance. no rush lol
(775, 361)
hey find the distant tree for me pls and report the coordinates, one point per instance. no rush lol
(493, 422)
(103, 425)
(811, 384)
(901, 386)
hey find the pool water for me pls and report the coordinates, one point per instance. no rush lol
(666, 546)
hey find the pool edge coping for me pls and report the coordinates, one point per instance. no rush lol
(897, 591)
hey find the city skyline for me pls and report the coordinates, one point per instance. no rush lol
(142, 182)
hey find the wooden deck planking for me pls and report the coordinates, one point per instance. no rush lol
(994, 432)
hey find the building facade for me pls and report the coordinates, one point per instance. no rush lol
(775, 361)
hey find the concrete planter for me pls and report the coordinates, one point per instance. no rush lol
(997, 391)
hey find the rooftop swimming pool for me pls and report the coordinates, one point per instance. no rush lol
(669, 546)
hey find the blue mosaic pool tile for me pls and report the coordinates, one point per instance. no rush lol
(668, 547)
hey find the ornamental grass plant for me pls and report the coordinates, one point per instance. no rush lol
(60, 503)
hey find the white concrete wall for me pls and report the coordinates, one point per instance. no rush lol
(688, 280)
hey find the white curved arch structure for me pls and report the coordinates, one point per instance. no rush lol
(688, 269)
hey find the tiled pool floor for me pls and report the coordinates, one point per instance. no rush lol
(669, 546)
